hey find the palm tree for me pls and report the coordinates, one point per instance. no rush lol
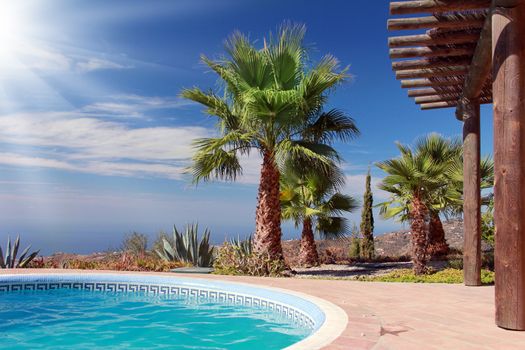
(270, 103)
(413, 180)
(312, 199)
(448, 199)
(443, 150)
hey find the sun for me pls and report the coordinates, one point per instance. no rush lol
(12, 24)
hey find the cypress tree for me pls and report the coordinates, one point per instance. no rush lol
(367, 222)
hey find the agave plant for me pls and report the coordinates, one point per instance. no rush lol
(10, 261)
(243, 247)
(187, 248)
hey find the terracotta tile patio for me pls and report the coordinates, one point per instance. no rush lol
(400, 316)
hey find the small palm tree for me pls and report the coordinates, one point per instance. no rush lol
(270, 103)
(413, 180)
(440, 150)
(313, 200)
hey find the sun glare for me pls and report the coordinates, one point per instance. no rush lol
(11, 24)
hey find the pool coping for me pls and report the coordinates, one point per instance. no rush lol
(331, 326)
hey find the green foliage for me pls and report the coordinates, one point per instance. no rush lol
(314, 196)
(487, 224)
(187, 247)
(234, 260)
(158, 244)
(271, 102)
(135, 243)
(10, 261)
(355, 243)
(447, 198)
(242, 247)
(367, 221)
(448, 275)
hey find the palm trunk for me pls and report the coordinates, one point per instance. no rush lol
(418, 227)
(267, 238)
(437, 244)
(308, 256)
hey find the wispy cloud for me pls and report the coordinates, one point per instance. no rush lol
(74, 142)
(93, 64)
(134, 105)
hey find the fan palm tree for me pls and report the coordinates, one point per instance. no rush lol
(448, 199)
(413, 180)
(312, 199)
(443, 150)
(270, 103)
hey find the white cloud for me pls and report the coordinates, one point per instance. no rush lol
(93, 64)
(83, 144)
(134, 105)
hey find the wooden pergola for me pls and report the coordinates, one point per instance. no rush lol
(472, 52)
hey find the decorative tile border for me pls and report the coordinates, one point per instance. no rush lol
(301, 317)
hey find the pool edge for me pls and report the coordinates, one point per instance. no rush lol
(333, 325)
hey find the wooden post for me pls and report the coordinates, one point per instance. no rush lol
(471, 193)
(508, 41)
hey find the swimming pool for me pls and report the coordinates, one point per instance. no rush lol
(114, 311)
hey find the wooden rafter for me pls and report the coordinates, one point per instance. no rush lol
(432, 72)
(459, 37)
(432, 51)
(438, 21)
(431, 63)
(435, 6)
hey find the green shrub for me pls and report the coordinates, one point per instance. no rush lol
(233, 260)
(355, 244)
(448, 275)
(487, 224)
(135, 243)
(187, 248)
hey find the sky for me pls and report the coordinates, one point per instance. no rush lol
(94, 137)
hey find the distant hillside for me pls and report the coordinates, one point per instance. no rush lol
(392, 244)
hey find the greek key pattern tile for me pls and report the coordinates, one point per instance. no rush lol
(295, 315)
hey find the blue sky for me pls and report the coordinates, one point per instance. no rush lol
(93, 136)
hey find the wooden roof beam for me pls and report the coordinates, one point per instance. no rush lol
(438, 51)
(432, 72)
(441, 98)
(431, 63)
(480, 66)
(434, 91)
(433, 40)
(436, 105)
(426, 82)
(438, 21)
(434, 6)
(447, 104)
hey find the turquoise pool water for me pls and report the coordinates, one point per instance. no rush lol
(81, 319)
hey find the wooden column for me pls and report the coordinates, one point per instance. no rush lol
(508, 40)
(471, 193)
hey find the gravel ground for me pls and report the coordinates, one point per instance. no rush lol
(357, 269)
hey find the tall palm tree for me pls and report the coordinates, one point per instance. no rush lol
(270, 100)
(413, 180)
(312, 199)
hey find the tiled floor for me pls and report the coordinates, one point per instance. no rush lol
(404, 316)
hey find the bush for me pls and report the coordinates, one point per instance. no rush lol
(231, 260)
(135, 243)
(120, 262)
(448, 275)
(355, 244)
